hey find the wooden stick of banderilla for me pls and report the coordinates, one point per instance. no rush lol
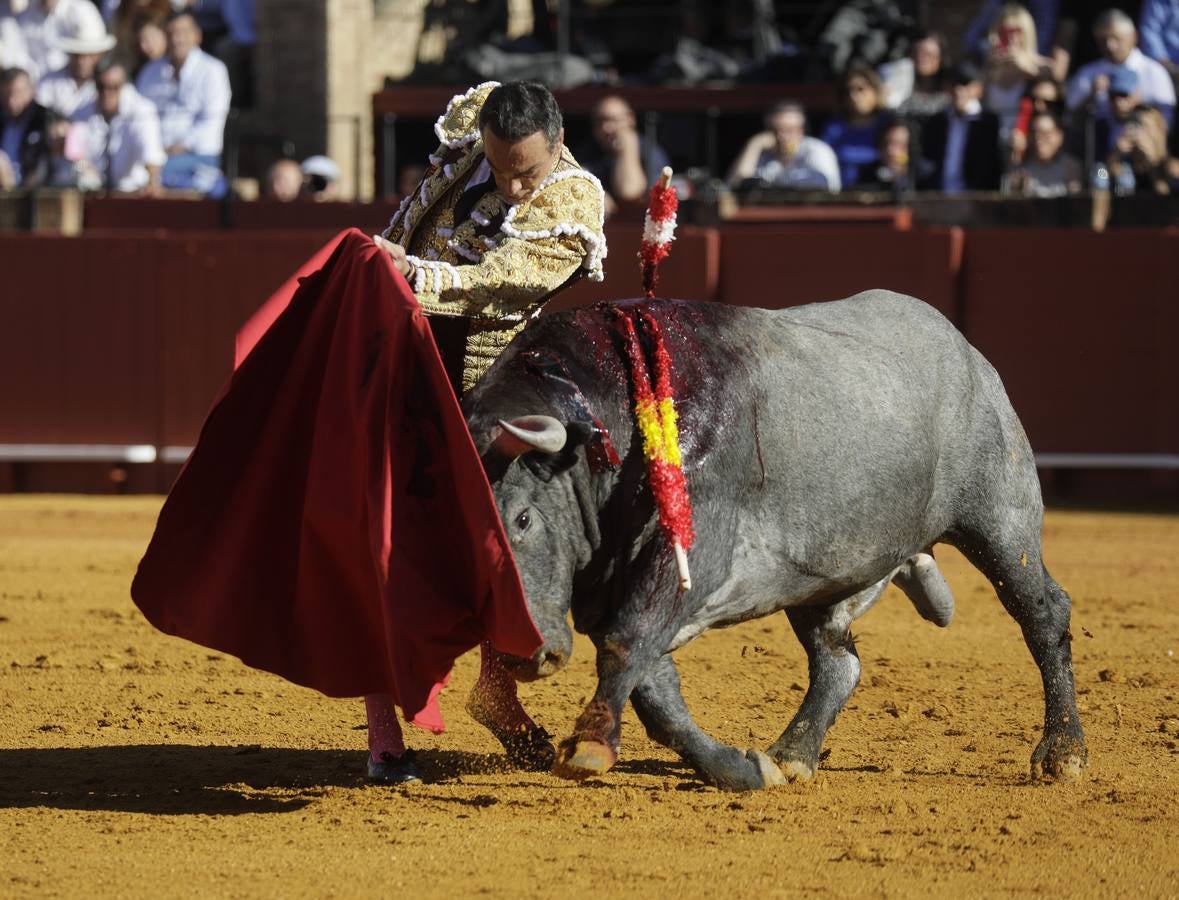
(681, 563)
(665, 177)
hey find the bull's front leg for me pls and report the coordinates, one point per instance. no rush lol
(661, 708)
(623, 661)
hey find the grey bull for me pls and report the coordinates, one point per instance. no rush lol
(827, 448)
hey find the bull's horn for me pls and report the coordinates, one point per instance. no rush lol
(543, 433)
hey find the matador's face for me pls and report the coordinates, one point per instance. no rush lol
(520, 166)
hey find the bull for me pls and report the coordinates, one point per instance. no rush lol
(826, 447)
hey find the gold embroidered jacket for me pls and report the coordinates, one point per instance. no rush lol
(478, 257)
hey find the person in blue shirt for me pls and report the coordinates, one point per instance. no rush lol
(853, 133)
(1158, 33)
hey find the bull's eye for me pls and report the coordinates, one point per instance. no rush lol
(523, 521)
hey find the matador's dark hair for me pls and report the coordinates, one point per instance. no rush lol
(520, 108)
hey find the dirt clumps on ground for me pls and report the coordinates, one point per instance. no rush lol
(136, 764)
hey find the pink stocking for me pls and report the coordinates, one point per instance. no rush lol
(493, 700)
(384, 731)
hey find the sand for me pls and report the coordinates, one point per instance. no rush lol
(135, 764)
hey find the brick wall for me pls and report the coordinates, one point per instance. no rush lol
(319, 63)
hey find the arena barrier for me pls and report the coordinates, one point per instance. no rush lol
(115, 343)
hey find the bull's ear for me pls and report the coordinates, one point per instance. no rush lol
(578, 434)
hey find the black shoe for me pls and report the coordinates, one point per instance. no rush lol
(394, 769)
(530, 749)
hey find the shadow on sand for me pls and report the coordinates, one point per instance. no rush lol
(171, 779)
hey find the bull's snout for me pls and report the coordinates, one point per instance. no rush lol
(548, 661)
(544, 662)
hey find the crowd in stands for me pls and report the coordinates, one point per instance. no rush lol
(120, 95)
(133, 96)
(1005, 115)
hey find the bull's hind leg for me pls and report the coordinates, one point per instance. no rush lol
(1010, 558)
(825, 634)
(661, 708)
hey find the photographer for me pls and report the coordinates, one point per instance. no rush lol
(1139, 156)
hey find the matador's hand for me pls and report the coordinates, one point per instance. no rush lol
(396, 253)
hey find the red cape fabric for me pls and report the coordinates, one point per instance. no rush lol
(334, 524)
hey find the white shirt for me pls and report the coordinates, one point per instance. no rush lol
(192, 107)
(1154, 81)
(121, 150)
(814, 165)
(13, 52)
(59, 92)
(42, 31)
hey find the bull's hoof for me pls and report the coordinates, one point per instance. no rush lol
(796, 763)
(578, 760)
(771, 775)
(1059, 757)
(795, 770)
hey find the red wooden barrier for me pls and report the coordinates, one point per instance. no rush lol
(775, 267)
(80, 340)
(209, 215)
(1081, 327)
(125, 337)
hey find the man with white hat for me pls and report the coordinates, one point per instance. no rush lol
(323, 178)
(43, 24)
(67, 90)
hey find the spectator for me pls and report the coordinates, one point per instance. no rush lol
(784, 156)
(24, 130)
(1049, 171)
(322, 178)
(13, 52)
(123, 149)
(1118, 39)
(1139, 157)
(916, 85)
(1055, 29)
(1158, 25)
(68, 90)
(897, 166)
(626, 163)
(853, 133)
(1011, 64)
(409, 177)
(150, 44)
(44, 22)
(190, 90)
(284, 181)
(1044, 95)
(127, 17)
(961, 143)
(1125, 96)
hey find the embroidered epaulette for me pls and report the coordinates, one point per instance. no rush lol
(568, 202)
(459, 125)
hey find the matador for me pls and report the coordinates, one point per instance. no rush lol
(502, 220)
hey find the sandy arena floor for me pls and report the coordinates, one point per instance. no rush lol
(135, 764)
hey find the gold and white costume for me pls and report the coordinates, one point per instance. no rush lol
(480, 258)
